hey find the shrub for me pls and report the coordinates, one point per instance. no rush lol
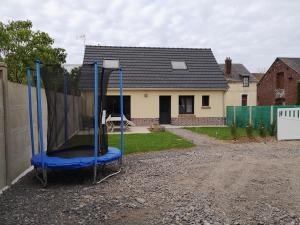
(249, 130)
(273, 129)
(233, 130)
(262, 129)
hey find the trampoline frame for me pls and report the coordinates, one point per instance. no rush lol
(41, 150)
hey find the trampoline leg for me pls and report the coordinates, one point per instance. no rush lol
(120, 162)
(112, 174)
(42, 179)
(95, 174)
(45, 177)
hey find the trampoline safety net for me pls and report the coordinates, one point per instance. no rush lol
(71, 110)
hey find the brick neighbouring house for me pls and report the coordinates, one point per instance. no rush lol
(279, 84)
(179, 86)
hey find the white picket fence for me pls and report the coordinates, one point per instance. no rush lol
(288, 124)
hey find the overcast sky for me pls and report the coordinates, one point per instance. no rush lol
(250, 32)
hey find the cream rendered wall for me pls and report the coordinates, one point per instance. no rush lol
(145, 103)
(233, 96)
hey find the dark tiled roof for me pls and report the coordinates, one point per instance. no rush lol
(148, 67)
(237, 72)
(294, 63)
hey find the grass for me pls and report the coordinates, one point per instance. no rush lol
(155, 141)
(221, 133)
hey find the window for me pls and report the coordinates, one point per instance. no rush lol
(246, 81)
(178, 65)
(186, 104)
(113, 106)
(205, 101)
(280, 81)
(110, 64)
(244, 100)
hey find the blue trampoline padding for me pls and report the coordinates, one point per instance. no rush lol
(77, 162)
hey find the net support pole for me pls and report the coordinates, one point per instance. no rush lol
(96, 123)
(30, 110)
(39, 109)
(66, 106)
(272, 115)
(121, 111)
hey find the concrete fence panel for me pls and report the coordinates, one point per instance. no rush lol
(15, 145)
(18, 132)
(2, 134)
(15, 142)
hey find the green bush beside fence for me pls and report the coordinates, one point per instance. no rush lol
(254, 115)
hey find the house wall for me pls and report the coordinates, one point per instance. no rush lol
(267, 85)
(233, 96)
(145, 106)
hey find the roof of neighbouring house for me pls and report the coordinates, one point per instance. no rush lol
(237, 72)
(258, 76)
(294, 63)
(150, 67)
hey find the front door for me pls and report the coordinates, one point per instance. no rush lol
(164, 109)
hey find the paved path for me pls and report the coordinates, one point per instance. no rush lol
(197, 139)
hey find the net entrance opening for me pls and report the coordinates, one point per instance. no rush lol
(70, 131)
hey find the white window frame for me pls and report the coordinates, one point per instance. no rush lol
(248, 83)
(206, 106)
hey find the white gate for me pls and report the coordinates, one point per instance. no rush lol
(288, 124)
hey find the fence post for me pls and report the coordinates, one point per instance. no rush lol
(4, 126)
(250, 115)
(272, 115)
(234, 115)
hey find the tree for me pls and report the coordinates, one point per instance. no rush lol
(20, 46)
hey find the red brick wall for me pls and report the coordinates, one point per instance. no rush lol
(266, 87)
(182, 121)
(197, 121)
(144, 121)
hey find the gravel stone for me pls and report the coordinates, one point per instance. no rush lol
(140, 200)
(215, 183)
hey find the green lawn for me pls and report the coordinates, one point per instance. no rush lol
(222, 133)
(138, 142)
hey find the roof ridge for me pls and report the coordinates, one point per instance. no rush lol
(233, 64)
(288, 57)
(151, 47)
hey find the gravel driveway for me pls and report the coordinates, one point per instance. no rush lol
(212, 183)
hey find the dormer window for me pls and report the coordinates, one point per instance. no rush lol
(246, 81)
(178, 65)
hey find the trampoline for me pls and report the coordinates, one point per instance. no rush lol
(76, 118)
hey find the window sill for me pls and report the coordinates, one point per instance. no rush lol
(205, 107)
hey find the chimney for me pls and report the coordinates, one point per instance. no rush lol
(227, 69)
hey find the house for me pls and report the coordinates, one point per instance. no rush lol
(179, 86)
(279, 84)
(242, 84)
